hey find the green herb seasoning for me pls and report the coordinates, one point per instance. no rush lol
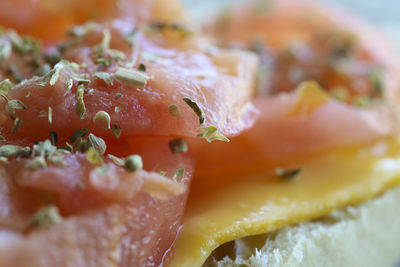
(17, 125)
(80, 108)
(142, 67)
(57, 159)
(174, 110)
(53, 138)
(116, 130)
(105, 76)
(83, 30)
(5, 49)
(44, 148)
(105, 55)
(5, 86)
(81, 133)
(93, 156)
(116, 160)
(181, 29)
(376, 77)
(68, 86)
(10, 150)
(178, 146)
(46, 217)
(23, 44)
(120, 108)
(131, 77)
(52, 76)
(49, 115)
(133, 163)
(105, 42)
(36, 163)
(211, 133)
(288, 173)
(102, 119)
(97, 143)
(13, 105)
(196, 108)
(179, 175)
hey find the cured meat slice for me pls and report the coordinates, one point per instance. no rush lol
(109, 216)
(219, 82)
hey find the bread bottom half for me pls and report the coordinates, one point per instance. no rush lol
(363, 235)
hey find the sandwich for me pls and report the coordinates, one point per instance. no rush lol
(138, 140)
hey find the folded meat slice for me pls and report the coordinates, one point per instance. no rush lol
(135, 233)
(217, 81)
(351, 101)
(92, 214)
(291, 127)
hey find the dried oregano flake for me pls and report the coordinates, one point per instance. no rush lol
(49, 115)
(36, 163)
(102, 119)
(82, 30)
(5, 49)
(116, 160)
(13, 105)
(116, 130)
(80, 108)
(97, 143)
(174, 110)
(133, 163)
(179, 175)
(196, 108)
(120, 108)
(17, 125)
(52, 76)
(178, 146)
(93, 156)
(53, 138)
(5, 86)
(46, 217)
(68, 86)
(10, 150)
(131, 77)
(210, 133)
(105, 76)
(80, 133)
(288, 173)
(23, 44)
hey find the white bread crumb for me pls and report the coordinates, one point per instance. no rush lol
(366, 235)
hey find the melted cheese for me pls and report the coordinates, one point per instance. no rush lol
(257, 205)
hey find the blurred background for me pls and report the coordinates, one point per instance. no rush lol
(383, 13)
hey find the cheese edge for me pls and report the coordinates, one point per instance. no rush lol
(364, 235)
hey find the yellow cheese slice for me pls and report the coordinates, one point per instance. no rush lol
(257, 205)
